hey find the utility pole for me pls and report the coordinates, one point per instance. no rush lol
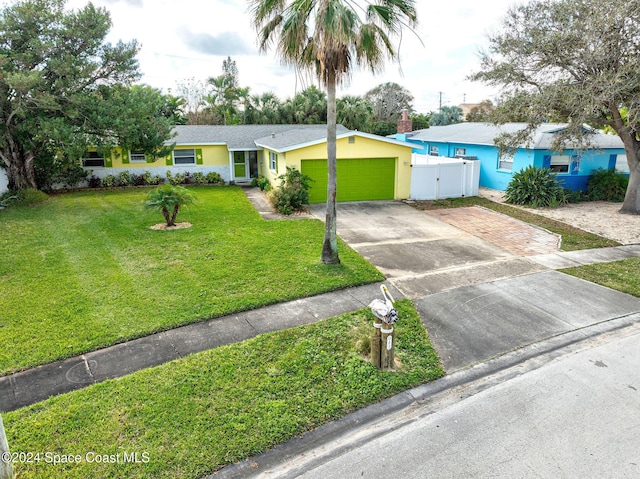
(6, 468)
(440, 103)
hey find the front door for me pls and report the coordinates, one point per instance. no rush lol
(240, 167)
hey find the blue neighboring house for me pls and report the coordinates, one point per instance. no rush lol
(476, 141)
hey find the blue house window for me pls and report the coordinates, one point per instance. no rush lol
(434, 150)
(560, 163)
(505, 163)
(621, 164)
(460, 152)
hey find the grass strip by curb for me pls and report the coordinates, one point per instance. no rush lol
(194, 415)
(623, 275)
(572, 238)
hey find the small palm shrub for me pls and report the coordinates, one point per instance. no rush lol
(292, 193)
(536, 187)
(168, 199)
(607, 185)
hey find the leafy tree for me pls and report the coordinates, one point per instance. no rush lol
(58, 78)
(307, 107)
(481, 112)
(329, 37)
(174, 110)
(354, 112)
(264, 109)
(448, 115)
(168, 199)
(388, 101)
(420, 121)
(572, 59)
(194, 94)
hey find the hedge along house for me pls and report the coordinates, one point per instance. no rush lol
(369, 167)
(476, 141)
(229, 150)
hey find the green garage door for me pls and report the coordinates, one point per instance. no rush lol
(358, 180)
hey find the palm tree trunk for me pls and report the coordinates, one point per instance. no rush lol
(330, 243)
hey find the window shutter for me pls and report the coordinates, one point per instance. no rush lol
(170, 159)
(612, 162)
(546, 161)
(125, 157)
(148, 157)
(108, 162)
(575, 165)
(198, 156)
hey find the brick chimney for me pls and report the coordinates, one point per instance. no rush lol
(405, 125)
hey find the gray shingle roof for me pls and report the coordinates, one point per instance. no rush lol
(284, 140)
(484, 134)
(243, 137)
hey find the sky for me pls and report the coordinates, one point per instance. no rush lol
(185, 39)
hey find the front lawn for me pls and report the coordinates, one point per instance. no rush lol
(84, 271)
(189, 417)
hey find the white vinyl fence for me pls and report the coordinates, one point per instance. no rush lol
(437, 177)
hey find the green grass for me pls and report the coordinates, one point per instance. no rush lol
(623, 275)
(83, 270)
(572, 238)
(197, 414)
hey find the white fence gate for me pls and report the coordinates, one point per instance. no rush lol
(436, 177)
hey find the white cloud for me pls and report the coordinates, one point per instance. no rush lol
(190, 38)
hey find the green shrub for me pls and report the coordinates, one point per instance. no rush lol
(176, 179)
(125, 178)
(262, 183)
(537, 187)
(26, 197)
(109, 181)
(94, 182)
(214, 178)
(198, 178)
(575, 196)
(292, 193)
(607, 185)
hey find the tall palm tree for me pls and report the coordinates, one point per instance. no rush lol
(331, 37)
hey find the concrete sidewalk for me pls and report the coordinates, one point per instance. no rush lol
(36, 384)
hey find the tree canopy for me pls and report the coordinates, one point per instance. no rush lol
(62, 87)
(576, 60)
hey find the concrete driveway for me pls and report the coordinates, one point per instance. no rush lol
(476, 299)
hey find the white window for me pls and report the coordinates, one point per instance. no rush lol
(93, 158)
(184, 157)
(460, 152)
(433, 150)
(621, 164)
(137, 157)
(273, 161)
(505, 163)
(560, 163)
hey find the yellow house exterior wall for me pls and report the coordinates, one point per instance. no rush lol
(264, 166)
(212, 155)
(361, 148)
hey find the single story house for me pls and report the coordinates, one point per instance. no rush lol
(369, 167)
(476, 141)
